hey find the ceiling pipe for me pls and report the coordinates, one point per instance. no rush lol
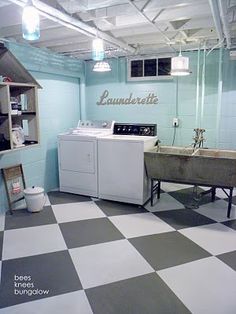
(216, 17)
(72, 23)
(214, 47)
(152, 22)
(224, 18)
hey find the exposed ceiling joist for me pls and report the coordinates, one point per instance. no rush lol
(225, 22)
(62, 41)
(69, 48)
(73, 23)
(216, 17)
(16, 30)
(132, 3)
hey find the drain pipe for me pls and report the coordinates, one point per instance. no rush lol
(225, 22)
(219, 103)
(198, 86)
(216, 17)
(73, 23)
(203, 85)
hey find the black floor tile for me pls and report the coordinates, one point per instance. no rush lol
(230, 223)
(1, 240)
(183, 218)
(88, 232)
(168, 249)
(145, 294)
(116, 208)
(229, 259)
(57, 197)
(22, 218)
(189, 199)
(54, 272)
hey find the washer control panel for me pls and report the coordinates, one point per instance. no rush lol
(138, 129)
(95, 124)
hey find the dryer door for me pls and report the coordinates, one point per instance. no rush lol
(77, 155)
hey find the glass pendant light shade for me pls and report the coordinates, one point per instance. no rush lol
(30, 22)
(98, 49)
(180, 66)
(101, 67)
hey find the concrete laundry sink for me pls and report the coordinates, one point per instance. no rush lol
(215, 153)
(174, 150)
(202, 166)
(206, 167)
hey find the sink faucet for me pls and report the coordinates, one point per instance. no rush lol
(198, 138)
(158, 145)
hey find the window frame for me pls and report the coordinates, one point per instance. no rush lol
(147, 78)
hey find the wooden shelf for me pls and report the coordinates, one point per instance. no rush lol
(28, 113)
(26, 96)
(24, 113)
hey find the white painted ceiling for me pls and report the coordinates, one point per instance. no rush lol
(129, 26)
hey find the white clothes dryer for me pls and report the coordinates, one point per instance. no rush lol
(77, 157)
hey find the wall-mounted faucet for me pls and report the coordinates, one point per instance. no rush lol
(158, 145)
(198, 138)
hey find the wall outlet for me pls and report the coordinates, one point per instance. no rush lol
(175, 122)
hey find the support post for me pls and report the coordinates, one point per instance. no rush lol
(213, 194)
(230, 202)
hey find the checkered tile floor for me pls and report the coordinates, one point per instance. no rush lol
(81, 255)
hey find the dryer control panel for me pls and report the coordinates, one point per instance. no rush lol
(137, 129)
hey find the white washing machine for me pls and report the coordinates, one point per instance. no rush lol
(77, 157)
(122, 174)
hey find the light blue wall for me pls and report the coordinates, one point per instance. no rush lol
(59, 109)
(227, 135)
(193, 99)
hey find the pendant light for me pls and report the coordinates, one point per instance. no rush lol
(102, 66)
(98, 49)
(30, 22)
(98, 54)
(180, 65)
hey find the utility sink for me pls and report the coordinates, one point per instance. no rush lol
(216, 153)
(174, 150)
(211, 167)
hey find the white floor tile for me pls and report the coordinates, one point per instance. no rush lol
(215, 238)
(108, 262)
(171, 187)
(217, 210)
(165, 202)
(32, 241)
(71, 303)
(204, 286)
(77, 211)
(219, 192)
(2, 222)
(136, 225)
